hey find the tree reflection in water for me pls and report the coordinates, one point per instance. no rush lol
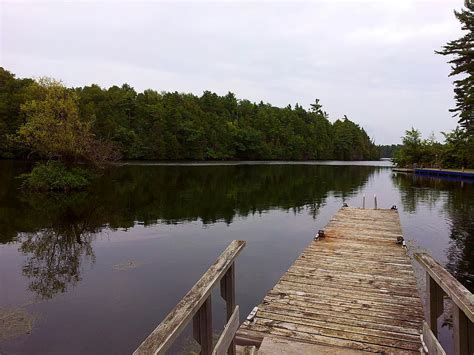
(56, 251)
(56, 231)
(461, 250)
(456, 201)
(54, 260)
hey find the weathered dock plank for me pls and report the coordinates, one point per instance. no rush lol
(353, 289)
(275, 346)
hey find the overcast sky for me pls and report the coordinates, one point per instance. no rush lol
(373, 60)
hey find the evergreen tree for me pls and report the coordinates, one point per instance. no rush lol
(462, 50)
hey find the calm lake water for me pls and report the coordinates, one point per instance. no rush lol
(95, 272)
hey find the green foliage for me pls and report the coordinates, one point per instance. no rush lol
(462, 50)
(351, 142)
(54, 176)
(456, 152)
(412, 149)
(416, 150)
(13, 92)
(93, 124)
(53, 128)
(459, 149)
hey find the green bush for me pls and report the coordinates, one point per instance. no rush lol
(54, 176)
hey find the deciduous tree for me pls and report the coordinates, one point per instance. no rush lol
(53, 128)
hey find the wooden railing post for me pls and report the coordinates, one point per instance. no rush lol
(202, 327)
(439, 282)
(196, 305)
(435, 303)
(463, 330)
(228, 294)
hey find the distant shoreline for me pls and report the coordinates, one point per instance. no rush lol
(384, 162)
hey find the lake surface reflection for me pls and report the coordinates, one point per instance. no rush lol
(96, 271)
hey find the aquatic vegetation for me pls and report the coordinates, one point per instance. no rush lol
(15, 322)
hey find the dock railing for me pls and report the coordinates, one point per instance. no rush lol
(196, 305)
(440, 283)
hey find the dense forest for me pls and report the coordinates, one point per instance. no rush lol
(172, 125)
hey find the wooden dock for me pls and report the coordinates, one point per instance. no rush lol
(353, 290)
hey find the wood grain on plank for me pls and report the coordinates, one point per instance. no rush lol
(282, 346)
(353, 289)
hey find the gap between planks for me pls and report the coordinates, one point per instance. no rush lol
(354, 288)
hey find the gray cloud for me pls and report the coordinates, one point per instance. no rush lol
(372, 60)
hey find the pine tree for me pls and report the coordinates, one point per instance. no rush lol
(462, 50)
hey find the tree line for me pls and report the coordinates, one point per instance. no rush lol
(456, 152)
(48, 120)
